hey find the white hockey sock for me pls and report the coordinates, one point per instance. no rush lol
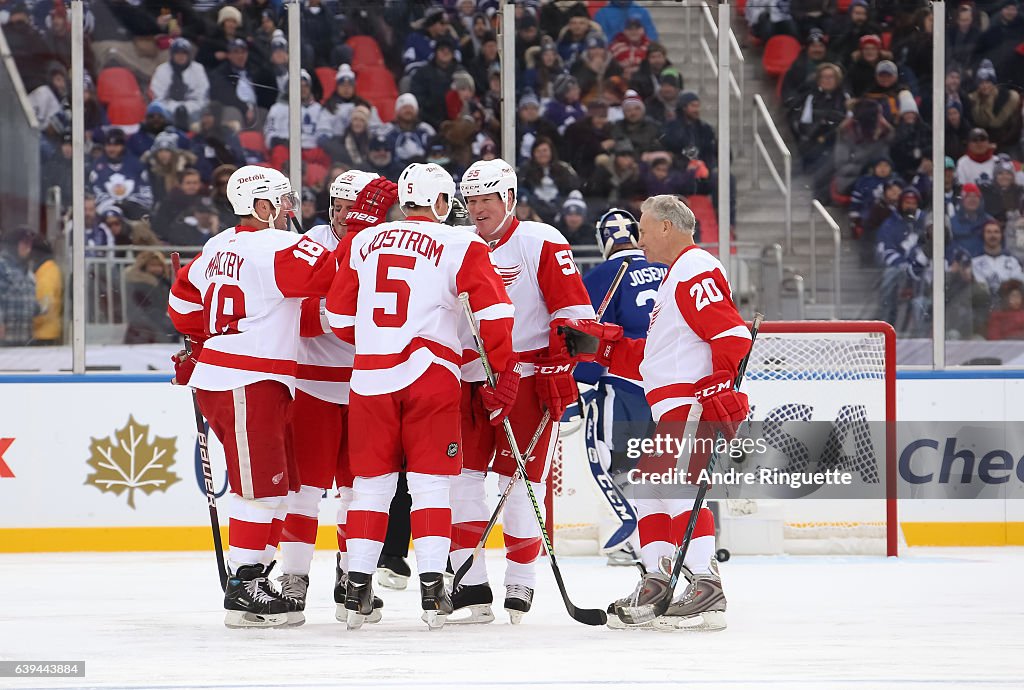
(368, 520)
(522, 533)
(298, 538)
(469, 518)
(430, 520)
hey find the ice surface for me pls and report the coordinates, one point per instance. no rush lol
(937, 617)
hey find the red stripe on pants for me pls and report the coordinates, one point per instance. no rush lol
(300, 528)
(522, 549)
(705, 526)
(466, 535)
(367, 524)
(431, 522)
(655, 527)
(254, 536)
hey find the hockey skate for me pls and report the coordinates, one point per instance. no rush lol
(340, 590)
(475, 600)
(518, 599)
(359, 599)
(293, 591)
(449, 574)
(638, 608)
(393, 572)
(701, 606)
(616, 623)
(250, 601)
(435, 600)
(621, 557)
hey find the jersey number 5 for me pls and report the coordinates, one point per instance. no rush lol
(386, 285)
(705, 292)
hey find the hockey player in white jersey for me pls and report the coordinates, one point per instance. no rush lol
(688, 363)
(239, 302)
(538, 270)
(317, 425)
(396, 298)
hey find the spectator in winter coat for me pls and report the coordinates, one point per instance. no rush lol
(864, 64)
(978, 164)
(433, 81)
(408, 138)
(381, 156)
(18, 305)
(157, 121)
(887, 89)
(641, 131)
(1007, 322)
(913, 50)
(355, 142)
(968, 302)
(868, 189)
(487, 57)
(214, 143)
(689, 136)
(994, 266)
(957, 130)
(530, 125)
(1005, 31)
(148, 285)
(912, 140)
(572, 38)
(593, 68)
(543, 65)
(572, 221)
(955, 92)
(547, 179)
(645, 80)
(802, 75)
(118, 177)
(165, 161)
(336, 113)
(322, 39)
(968, 221)
(180, 85)
(996, 109)
(216, 48)
(276, 129)
(901, 253)
(527, 36)
(242, 86)
(1003, 197)
(666, 104)
(862, 138)
(616, 179)
(565, 108)
(48, 99)
(47, 326)
(587, 139)
(616, 16)
(27, 47)
(885, 205)
(815, 123)
(962, 38)
(658, 177)
(845, 32)
(419, 45)
(177, 204)
(629, 48)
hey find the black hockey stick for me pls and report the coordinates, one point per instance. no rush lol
(461, 573)
(204, 458)
(638, 615)
(585, 616)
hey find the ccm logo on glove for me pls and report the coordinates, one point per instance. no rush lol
(554, 368)
(713, 389)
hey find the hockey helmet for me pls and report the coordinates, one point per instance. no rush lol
(347, 185)
(489, 177)
(616, 227)
(421, 184)
(251, 182)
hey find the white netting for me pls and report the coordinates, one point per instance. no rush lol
(810, 356)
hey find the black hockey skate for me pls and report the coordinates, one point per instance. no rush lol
(393, 572)
(518, 599)
(359, 599)
(251, 602)
(434, 599)
(340, 591)
(474, 600)
(293, 591)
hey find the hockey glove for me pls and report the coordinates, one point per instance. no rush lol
(372, 204)
(724, 409)
(499, 399)
(313, 317)
(556, 387)
(587, 340)
(185, 364)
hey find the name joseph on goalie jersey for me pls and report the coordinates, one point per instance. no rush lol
(404, 238)
(225, 264)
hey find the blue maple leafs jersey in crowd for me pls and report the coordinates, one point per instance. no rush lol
(630, 307)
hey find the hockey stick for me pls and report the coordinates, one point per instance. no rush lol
(612, 495)
(585, 616)
(204, 459)
(638, 615)
(461, 573)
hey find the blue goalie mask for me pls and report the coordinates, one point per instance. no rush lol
(617, 227)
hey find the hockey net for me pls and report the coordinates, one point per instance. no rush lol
(831, 371)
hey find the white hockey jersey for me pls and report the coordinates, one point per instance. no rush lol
(537, 267)
(396, 297)
(993, 271)
(242, 295)
(693, 308)
(325, 361)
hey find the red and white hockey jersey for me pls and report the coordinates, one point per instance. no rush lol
(396, 297)
(536, 265)
(325, 361)
(242, 295)
(695, 330)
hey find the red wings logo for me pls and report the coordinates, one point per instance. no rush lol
(509, 275)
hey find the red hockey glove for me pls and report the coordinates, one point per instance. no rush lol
(372, 204)
(185, 364)
(724, 408)
(499, 399)
(313, 318)
(556, 387)
(587, 340)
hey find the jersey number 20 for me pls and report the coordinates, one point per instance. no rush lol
(705, 292)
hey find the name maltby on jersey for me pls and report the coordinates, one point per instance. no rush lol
(225, 264)
(404, 238)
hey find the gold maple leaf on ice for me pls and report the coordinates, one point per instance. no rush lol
(127, 461)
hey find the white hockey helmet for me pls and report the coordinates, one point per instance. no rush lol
(251, 182)
(347, 185)
(421, 184)
(486, 177)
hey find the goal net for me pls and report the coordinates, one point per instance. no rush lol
(841, 373)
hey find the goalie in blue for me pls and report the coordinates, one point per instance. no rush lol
(616, 410)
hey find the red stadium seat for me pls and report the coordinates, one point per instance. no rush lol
(365, 52)
(779, 54)
(843, 5)
(593, 6)
(886, 39)
(705, 213)
(377, 85)
(837, 198)
(314, 175)
(116, 83)
(326, 75)
(741, 7)
(253, 141)
(126, 111)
